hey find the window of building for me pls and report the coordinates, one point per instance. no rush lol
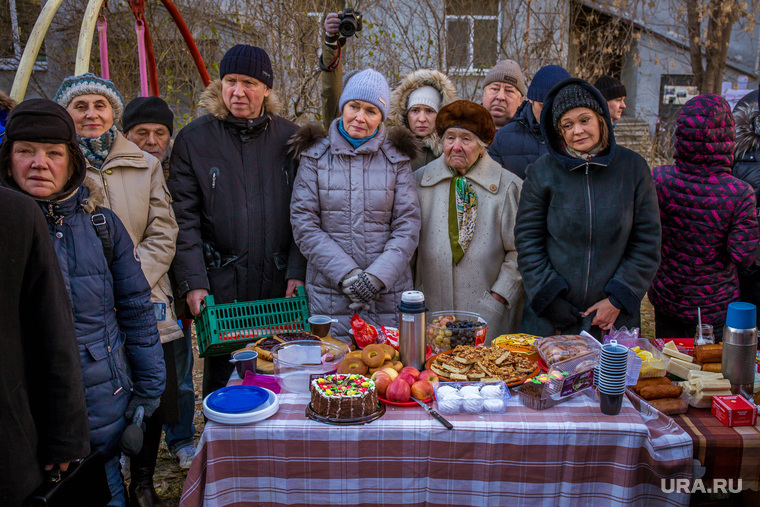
(472, 34)
(19, 17)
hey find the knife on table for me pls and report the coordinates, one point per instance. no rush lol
(435, 414)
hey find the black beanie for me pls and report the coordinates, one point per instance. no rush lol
(41, 121)
(570, 97)
(148, 110)
(610, 88)
(247, 60)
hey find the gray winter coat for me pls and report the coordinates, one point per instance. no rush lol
(355, 208)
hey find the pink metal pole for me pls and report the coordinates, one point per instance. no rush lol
(103, 43)
(140, 29)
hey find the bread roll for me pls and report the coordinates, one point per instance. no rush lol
(657, 392)
(710, 353)
(657, 381)
(712, 367)
(670, 406)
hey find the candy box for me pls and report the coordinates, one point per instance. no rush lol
(572, 375)
(734, 410)
(488, 397)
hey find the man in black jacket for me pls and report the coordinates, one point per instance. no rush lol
(43, 416)
(231, 179)
(520, 142)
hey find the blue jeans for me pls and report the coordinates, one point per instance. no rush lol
(115, 483)
(181, 432)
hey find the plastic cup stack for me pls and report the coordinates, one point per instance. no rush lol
(612, 371)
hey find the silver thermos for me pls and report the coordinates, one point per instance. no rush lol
(411, 329)
(740, 347)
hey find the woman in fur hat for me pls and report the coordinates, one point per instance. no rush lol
(119, 347)
(588, 226)
(354, 208)
(415, 103)
(466, 258)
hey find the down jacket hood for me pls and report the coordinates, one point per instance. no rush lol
(310, 134)
(747, 139)
(705, 136)
(213, 103)
(411, 82)
(556, 142)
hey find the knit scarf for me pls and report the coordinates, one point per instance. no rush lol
(354, 142)
(96, 149)
(463, 214)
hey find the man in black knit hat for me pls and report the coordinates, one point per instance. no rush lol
(614, 93)
(231, 180)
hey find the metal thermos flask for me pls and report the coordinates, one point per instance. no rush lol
(740, 347)
(411, 329)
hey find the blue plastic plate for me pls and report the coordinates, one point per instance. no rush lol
(237, 399)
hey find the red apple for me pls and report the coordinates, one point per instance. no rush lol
(391, 372)
(411, 370)
(422, 390)
(428, 375)
(398, 391)
(382, 382)
(407, 378)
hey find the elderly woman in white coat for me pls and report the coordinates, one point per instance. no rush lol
(354, 208)
(466, 259)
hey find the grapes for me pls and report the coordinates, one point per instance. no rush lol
(446, 332)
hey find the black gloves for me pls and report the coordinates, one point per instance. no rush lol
(561, 314)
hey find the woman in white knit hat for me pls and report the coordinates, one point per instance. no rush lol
(354, 209)
(415, 103)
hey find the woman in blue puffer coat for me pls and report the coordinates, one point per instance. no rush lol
(119, 348)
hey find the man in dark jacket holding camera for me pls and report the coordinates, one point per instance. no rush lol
(231, 179)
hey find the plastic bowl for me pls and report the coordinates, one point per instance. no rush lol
(295, 362)
(441, 337)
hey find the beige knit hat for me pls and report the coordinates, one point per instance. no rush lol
(507, 71)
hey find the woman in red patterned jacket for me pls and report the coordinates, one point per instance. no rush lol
(709, 222)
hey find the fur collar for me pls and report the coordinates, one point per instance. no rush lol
(6, 102)
(96, 197)
(310, 134)
(404, 141)
(306, 137)
(747, 140)
(212, 102)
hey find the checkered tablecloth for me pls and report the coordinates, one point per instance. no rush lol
(726, 453)
(569, 455)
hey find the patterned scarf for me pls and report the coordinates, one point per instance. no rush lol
(96, 149)
(584, 155)
(463, 214)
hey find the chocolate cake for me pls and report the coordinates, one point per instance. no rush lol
(343, 396)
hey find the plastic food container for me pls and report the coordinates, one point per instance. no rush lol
(464, 328)
(554, 349)
(295, 362)
(535, 395)
(471, 397)
(571, 376)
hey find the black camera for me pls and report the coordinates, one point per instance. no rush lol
(350, 22)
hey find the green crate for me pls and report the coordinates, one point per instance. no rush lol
(223, 328)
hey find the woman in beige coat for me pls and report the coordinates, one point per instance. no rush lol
(466, 259)
(133, 184)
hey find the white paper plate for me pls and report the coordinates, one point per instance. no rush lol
(268, 409)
